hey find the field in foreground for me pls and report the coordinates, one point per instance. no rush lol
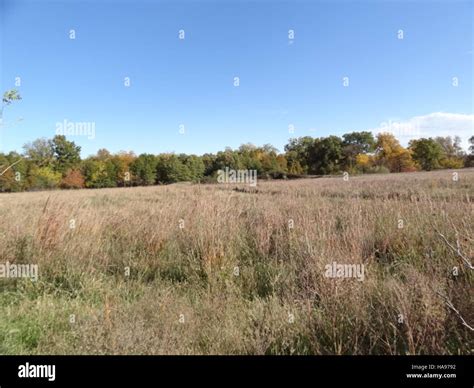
(227, 269)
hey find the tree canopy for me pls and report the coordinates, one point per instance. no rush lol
(56, 163)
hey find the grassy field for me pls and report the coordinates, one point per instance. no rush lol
(233, 269)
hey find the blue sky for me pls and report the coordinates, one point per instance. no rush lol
(190, 82)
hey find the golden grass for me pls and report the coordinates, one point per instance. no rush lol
(236, 279)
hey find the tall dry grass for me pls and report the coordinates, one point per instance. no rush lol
(236, 278)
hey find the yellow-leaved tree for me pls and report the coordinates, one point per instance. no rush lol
(391, 154)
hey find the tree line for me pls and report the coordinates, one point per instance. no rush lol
(56, 163)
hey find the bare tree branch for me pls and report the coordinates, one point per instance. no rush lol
(451, 306)
(10, 166)
(457, 250)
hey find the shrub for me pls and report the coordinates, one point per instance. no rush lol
(378, 170)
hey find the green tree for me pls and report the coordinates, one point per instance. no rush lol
(229, 158)
(356, 143)
(427, 152)
(171, 169)
(209, 161)
(40, 152)
(364, 141)
(271, 165)
(107, 169)
(144, 169)
(326, 155)
(95, 173)
(195, 166)
(298, 152)
(41, 178)
(66, 154)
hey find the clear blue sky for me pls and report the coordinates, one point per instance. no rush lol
(190, 81)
